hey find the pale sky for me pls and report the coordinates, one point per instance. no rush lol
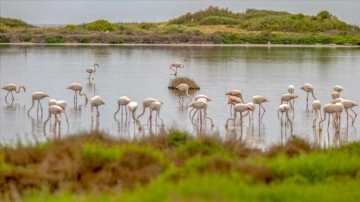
(39, 12)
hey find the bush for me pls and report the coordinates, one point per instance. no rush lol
(116, 41)
(100, 26)
(218, 20)
(55, 39)
(70, 28)
(84, 40)
(4, 39)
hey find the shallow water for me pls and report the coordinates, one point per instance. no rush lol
(140, 72)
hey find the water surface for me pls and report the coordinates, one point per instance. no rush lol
(141, 72)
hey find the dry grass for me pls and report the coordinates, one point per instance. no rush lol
(178, 80)
(211, 29)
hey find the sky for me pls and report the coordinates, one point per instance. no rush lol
(62, 12)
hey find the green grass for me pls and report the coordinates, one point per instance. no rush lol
(176, 166)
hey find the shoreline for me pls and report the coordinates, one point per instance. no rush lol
(185, 44)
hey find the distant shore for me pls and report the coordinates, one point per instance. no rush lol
(186, 44)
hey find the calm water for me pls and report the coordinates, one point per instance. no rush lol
(140, 72)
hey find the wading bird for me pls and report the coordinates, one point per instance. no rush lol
(334, 109)
(184, 91)
(200, 104)
(132, 106)
(96, 101)
(177, 65)
(235, 93)
(62, 104)
(77, 88)
(316, 106)
(91, 69)
(258, 99)
(233, 100)
(284, 108)
(155, 106)
(201, 96)
(241, 108)
(146, 104)
(37, 96)
(12, 87)
(55, 110)
(348, 104)
(291, 89)
(308, 88)
(122, 102)
(338, 88)
(288, 98)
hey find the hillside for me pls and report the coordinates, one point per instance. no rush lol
(213, 25)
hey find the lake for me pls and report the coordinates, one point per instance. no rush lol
(142, 71)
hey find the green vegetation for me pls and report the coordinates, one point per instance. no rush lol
(213, 25)
(175, 166)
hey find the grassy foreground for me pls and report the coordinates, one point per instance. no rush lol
(176, 167)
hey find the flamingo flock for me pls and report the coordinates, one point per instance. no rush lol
(199, 105)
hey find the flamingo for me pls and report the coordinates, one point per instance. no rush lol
(331, 108)
(288, 98)
(55, 110)
(146, 104)
(62, 104)
(12, 87)
(233, 100)
(76, 87)
(291, 89)
(177, 65)
(201, 96)
(155, 106)
(37, 96)
(316, 109)
(308, 88)
(91, 69)
(184, 90)
(200, 104)
(335, 94)
(240, 107)
(96, 101)
(122, 102)
(348, 104)
(258, 99)
(251, 111)
(235, 93)
(284, 108)
(132, 106)
(338, 88)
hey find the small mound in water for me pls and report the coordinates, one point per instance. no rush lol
(176, 81)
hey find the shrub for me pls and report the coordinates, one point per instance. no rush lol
(116, 41)
(84, 40)
(70, 28)
(218, 20)
(101, 26)
(4, 39)
(55, 39)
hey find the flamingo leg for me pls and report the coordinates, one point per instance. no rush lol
(7, 94)
(354, 116)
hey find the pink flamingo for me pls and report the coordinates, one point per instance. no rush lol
(12, 87)
(76, 87)
(37, 96)
(177, 65)
(91, 69)
(122, 102)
